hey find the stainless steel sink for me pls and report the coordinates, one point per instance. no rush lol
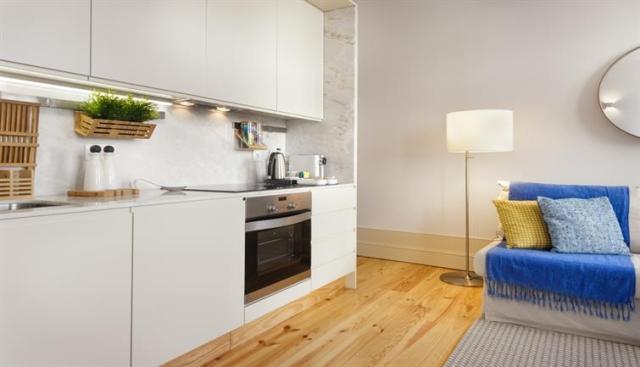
(29, 204)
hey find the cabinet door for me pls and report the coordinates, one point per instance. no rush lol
(65, 290)
(300, 58)
(188, 276)
(241, 51)
(51, 34)
(333, 241)
(159, 44)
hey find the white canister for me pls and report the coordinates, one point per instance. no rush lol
(109, 177)
(93, 169)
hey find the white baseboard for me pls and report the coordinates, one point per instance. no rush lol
(421, 248)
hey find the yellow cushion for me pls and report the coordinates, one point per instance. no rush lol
(523, 224)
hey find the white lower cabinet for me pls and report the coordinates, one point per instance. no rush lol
(142, 286)
(188, 276)
(65, 290)
(333, 234)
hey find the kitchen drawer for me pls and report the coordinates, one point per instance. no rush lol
(327, 200)
(276, 300)
(326, 249)
(333, 223)
(327, 273)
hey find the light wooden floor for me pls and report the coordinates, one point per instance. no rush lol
(400, 315)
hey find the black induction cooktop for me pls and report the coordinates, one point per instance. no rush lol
(270, 185)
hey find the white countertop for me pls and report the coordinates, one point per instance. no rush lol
(146, 197)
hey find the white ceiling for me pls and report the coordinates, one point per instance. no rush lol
(328, 5)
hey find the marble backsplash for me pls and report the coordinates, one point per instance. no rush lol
(191, 146)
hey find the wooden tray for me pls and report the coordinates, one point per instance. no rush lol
(104, 193)
(16, 184)
(114, 129)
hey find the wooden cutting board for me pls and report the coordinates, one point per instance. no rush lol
(104, 193)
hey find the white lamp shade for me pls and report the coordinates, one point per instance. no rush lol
(478, 131)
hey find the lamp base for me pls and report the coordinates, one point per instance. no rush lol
(462, 278)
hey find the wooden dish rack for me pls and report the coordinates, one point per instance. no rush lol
(18, 145)
(114, 129)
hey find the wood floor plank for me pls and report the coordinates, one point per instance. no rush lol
(401, 314)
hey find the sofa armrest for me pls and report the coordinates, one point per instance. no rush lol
(480, 258)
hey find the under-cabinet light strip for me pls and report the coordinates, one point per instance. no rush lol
(50, 90)
(40, 89)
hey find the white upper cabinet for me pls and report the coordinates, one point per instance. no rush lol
(241, 51)
(262, 54)
(158, 44)
(300, 58)
(51, 34)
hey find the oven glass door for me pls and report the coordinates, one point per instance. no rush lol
(276, 250)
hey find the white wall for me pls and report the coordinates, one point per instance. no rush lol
(191, 146)
(419, 60)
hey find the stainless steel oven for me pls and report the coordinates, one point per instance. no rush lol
(277, 243)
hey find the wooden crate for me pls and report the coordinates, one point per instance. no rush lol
(16, 184)
(18, 133)
(86, 126)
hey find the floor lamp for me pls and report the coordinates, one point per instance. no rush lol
(475, 131)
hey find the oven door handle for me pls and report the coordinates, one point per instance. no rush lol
(277, 222)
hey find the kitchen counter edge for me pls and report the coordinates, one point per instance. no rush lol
(147, 197)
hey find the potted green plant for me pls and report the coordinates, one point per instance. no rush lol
(109, 115)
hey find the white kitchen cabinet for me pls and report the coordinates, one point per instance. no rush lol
(50, 34)
(333, 234)
(65, 290)
(188, 276)
(158, 44)
(329, 248)
(241, 52)
(300, 58)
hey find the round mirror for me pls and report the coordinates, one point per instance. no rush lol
(619, 92)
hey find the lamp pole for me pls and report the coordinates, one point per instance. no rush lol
(466, 214)
(465, 278)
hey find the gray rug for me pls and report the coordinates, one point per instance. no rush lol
(497, 344)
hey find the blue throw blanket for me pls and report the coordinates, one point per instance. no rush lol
(593, 284)
(618, 196)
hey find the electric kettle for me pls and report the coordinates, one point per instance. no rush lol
(276, 169)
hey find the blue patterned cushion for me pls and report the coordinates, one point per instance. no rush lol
(583, 226)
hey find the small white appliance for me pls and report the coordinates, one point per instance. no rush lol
(93, 175)
(109, 178)
(312, 163)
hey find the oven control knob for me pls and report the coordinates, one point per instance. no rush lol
(272, 208)
(291, 206)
